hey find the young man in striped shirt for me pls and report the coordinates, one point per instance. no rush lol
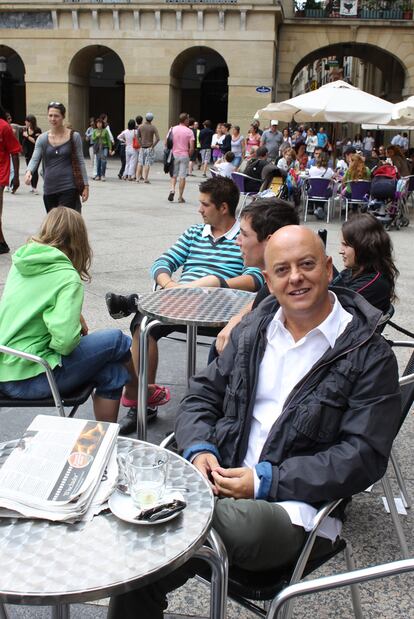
(208, 256)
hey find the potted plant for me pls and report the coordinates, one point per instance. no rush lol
(371, 10)
(314, 9)
(407, 10)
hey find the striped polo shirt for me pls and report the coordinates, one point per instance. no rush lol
(200, 254)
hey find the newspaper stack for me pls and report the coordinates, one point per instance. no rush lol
(62, 469)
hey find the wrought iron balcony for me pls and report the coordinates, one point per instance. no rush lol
(354, 9)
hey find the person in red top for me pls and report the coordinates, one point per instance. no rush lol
(9, 147)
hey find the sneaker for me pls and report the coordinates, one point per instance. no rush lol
(120, 306)
(4, 248)
(171, 196)
(128, 424)
(319, 213)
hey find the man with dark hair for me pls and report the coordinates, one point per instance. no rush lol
(300, 409)
(9, 147)
(183, 144)
(208, 256)
(206, 135)
(255, 166)
(259, 220)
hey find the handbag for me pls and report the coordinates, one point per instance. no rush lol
(77, 173)
(135, 142)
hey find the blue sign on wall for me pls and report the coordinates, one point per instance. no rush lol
(263, 90)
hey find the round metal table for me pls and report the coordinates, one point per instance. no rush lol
(46, 563)
(192, 307)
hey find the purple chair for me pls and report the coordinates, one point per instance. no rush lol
(213, 172)
(360, 193)
(318, 190)
(240, 180)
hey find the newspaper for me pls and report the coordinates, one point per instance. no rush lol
(62, 469)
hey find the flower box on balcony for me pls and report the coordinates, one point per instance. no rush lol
(314, 13)
(407, 14)
(370, 14)
(392, 14)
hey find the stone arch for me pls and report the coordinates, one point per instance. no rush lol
(386, 48)
(203, 96)
(13, 85)
(91, 93)
(393, 71)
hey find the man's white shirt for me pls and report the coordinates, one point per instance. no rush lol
(285, 362)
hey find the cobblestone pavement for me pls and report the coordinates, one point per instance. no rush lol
(130, 225)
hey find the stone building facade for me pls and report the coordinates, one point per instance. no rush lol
(222, 61)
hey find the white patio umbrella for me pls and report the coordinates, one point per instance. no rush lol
(334, 102)
(403, 113)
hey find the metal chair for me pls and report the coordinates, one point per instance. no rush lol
(360, 192)
(318, 190)
(246, 587)
(74, 400)
(213, 172)
(338, 580)
(407, 395)
(240, 180)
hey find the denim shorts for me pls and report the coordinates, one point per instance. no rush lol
(98, 358)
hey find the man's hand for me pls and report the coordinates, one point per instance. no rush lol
(224, 335)
(84, 326)
(28, 177)
(85, 193)
(236, 483)
(205, 463)
(208, 281)
(15, 183)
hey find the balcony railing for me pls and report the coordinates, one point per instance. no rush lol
(362, 9)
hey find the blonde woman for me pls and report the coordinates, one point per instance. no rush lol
(357, 171)
(40, 313)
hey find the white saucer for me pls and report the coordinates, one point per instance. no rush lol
(122, 506)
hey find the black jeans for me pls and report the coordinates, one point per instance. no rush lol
(69, 198)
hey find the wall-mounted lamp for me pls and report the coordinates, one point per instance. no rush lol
(3, 64)
(98, 65)
(200, 67)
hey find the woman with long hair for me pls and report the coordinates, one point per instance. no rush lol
(238, 146)
(30, 134)
(131, 153)
(399, 160)
(60, 150)
(367, 254)
(102, 145)
(40, 313)
(253, 139)
(357, 171)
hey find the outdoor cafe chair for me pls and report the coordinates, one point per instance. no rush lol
(246, 587)
(318, 190)
(240, 180)
(407, 399)
(73, 400)
(326, 583)
(358, 196)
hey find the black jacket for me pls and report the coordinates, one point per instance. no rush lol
(335, 433)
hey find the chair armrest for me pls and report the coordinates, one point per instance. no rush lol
(168, 440)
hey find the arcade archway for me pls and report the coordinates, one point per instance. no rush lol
(199, 85)
(12, 83)
(96, 85)
(367, 66)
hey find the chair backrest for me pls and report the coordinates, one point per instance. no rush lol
(360, 190)
(319, 188)
(409, 180)
(407, 390)
(240, 180)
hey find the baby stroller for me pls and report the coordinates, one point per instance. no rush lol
(385, 202)
(274, 183)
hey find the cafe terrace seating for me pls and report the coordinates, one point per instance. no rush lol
(73, 400)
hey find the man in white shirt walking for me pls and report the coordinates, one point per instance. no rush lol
(300, 408)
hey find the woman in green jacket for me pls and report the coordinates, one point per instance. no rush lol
(40, 313)
(101, 146)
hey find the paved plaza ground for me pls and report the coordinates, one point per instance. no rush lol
(130, 225)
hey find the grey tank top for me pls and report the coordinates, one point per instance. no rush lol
(58, 168)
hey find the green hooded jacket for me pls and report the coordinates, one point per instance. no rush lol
(39, 310)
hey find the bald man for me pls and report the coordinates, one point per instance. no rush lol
(300, 408)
